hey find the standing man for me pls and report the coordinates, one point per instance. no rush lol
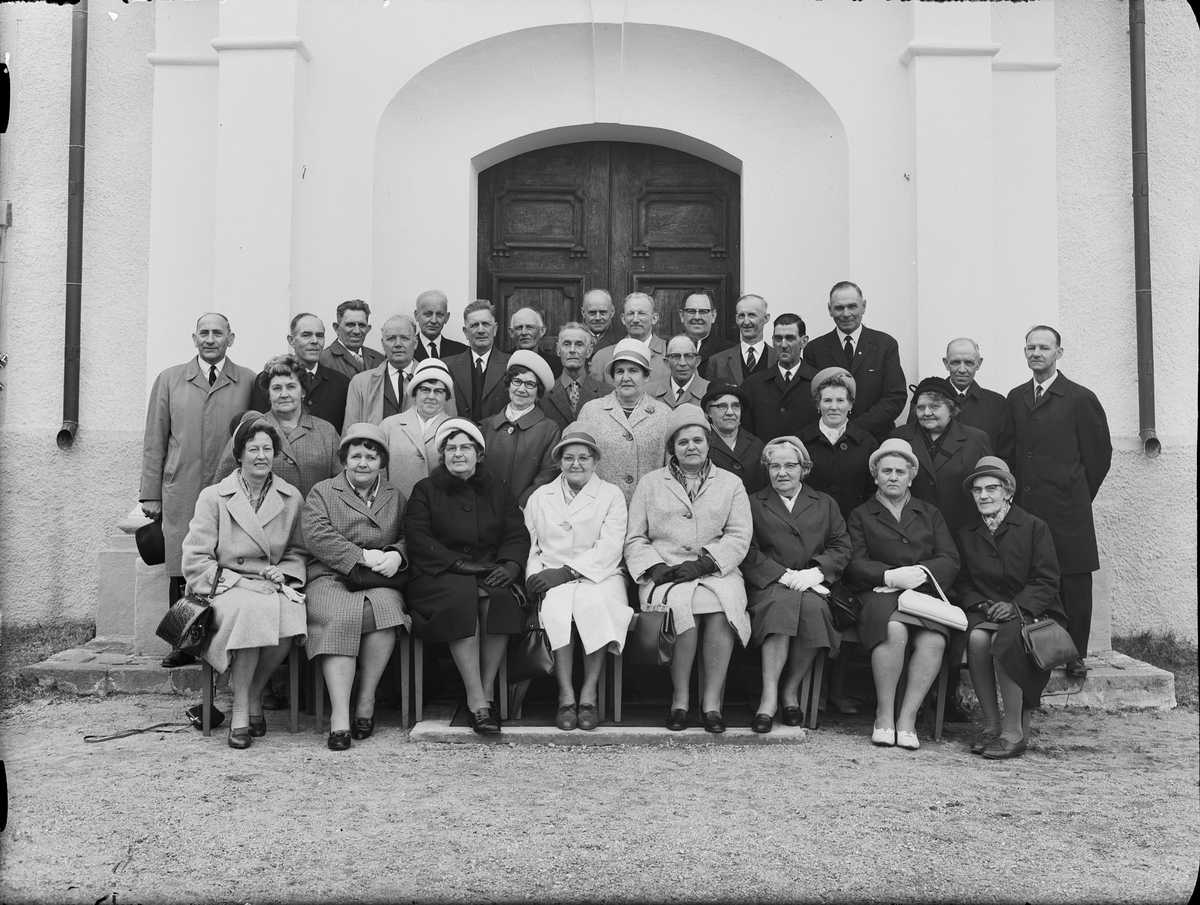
(684, 384)
(598, 311)
(432, 312)
(1063, 451)
(526, 329)
(479, 389)
(781, 400)
(752, 353)
(575, 385)
(639, 317)
(347, 355)
(871, 357)
(325, 389)
(977, 407)
(383, 391)
(187, 426)
(698, 314)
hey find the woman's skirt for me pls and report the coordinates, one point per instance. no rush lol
(335, 615)
(879, 609)
(252, 614)
(1009, 652)
(778, 610)
(446, 607)
(600, 612)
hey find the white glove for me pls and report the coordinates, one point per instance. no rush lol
(372, 558)
(905, 577)
(802, 579)
(389, 563)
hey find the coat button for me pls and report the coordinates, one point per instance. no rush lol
(240, 560)
(1027, 488)
(737, 466)
(687, 515)
(567, 526)
(629, 480)
(843, 446)
(833, 488)
(629, 437)
(467, 508)
(782, 409)
(906, 540)
(1028, 455)
(688, 547)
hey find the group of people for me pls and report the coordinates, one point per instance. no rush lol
(453, 489)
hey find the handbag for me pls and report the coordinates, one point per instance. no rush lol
(362, 578)
(188, 623)
(529, 653)
(650, 640)
(935, 609)
(1047, 644)
(844, 607)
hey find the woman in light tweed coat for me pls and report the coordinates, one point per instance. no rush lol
(354, 519)
(689, 530)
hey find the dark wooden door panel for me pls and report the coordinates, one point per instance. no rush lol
(556, 222)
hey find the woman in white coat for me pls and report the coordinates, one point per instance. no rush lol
(410, 434)
(689, 530)
(577, 528)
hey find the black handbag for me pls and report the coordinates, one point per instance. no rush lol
(529, 653)
(188, 623)
(1047, 644)
(650, 640)
(844, 607)
(362, 578)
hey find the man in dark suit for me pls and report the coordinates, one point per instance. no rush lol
(1062, 453)
(698, 314)
(983, 409)
(574, 385)
(479, 390)
(324, 388)
(432, 312)
(781, 402)
(599, 313)
(347, 355)
(526, 329)
(753, 353)
(871, 357)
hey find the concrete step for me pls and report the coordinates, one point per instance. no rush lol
(102, 668)
(1114, 682)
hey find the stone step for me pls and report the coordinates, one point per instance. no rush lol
(1114, 682)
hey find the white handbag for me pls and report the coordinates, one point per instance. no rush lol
(935, 609)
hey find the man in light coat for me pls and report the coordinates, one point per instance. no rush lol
(383, 391)
(639, 317)
(684, 385)
(187, 426)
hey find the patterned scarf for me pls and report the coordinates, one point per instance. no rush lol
(692, 484)
(993, 521)
(255, 502)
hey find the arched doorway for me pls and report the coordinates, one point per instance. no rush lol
(621, 216)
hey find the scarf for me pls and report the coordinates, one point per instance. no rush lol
(993, 521)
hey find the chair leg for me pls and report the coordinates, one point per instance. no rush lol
(939, 706)
(418, 650)
(602, 688)
(206, 697)
(405, 682)
(319, 695)
(810, 691)
(618, 678)
(503, 691)
(294, 687)
(310, 684)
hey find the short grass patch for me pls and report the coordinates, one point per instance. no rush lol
(25, 645)
(1170, 653)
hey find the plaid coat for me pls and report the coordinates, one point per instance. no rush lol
(309, 455)
(337, 527)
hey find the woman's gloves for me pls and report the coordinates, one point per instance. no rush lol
(658, 573)
(906, 578)
(1001, 611)
(389, 563)
(503, 575)
(541, 582)
(802, 579)
(693, 569)
(472, 567)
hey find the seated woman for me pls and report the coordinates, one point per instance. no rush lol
(1009, 563)
(689, 530)
(412, 454)
(355, 519)
(893, 536)
(247, 529)
(577, 531)
(519, 439)
(800, 544)
(467, 545)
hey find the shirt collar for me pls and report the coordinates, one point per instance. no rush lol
(788, 372)
(1045, 385)
(484, 355)
(833, 434)
(675, 387)
(854, 337)
(758, 348)
(204, 365)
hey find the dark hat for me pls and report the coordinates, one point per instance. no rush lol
(993, 467)
(717, 390)
(149, 539)
(939, 385)
(236, 421)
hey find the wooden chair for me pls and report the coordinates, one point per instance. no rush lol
(206, 692)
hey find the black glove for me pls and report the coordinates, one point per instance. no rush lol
(503, 575)
(694, 568)
(660, 573)
(472, 567)
(541, 582)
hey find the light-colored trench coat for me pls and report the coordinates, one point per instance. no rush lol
(226, 531)
(631, 447)
(667, 527)
(587, 534)
(411, 454)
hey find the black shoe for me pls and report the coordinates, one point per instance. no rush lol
(240, 737)
(677, 720)
(196, 717)
(483, 722)
(258, 726)
(176, 658)
(792, 716)
(762, 722)
(362, 727)
(713, 721)
(339, 740)
(1076, 669)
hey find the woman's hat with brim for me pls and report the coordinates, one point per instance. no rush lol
(575, 432)
(456, 425)
(894, 446)
(431, 369)
(526, 358)
(363, 430)
(716, 391)
(825, 373)
(150, 545)
(687, 415)
(630, 350)
(991, 467)
(939, 385)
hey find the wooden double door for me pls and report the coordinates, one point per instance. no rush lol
(625, 217)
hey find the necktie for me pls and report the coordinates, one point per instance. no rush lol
(573, 395)
(433, 349)
(750, 360)
(787, 378)
(306, 379)
(477, 391)
(212, 374)
(1037, 397)
(849, 349)
(678, 393)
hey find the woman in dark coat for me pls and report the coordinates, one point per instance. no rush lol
(734, 448)
(1009, 562)
(894, 539)
(520, 438)
(467, 545)
(800, 545)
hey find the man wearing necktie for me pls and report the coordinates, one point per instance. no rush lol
(574, 386)
(383, 391)
(871, 356)
(431, 313)
(752, 353)
(346, 354)
(1062, 453)
(478, 386)
(780, 400)
(684, 384)
(325, 389)
(187, 426)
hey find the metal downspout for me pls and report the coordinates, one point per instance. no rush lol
(1141, 228)
(79, 23)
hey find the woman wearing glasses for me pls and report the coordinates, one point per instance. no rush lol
(520, 439)
(411, 452)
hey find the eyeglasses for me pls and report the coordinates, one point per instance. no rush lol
(527, 384)
(582, 459)
(696, 312)
(988, 489)
(424, 390)
(726, 406)
(682, 356)
(931, 407)
(776, 467)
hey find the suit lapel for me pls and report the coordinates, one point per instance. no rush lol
(495, 370)
(355, 502)
(460, 371)
(953, 441)
(774, 504)
(250, 521)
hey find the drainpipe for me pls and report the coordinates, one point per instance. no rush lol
(1141, 228)
(79, 18)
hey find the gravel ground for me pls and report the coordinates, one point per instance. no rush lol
(1104, 807)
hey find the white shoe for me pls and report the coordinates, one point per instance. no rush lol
(883, 737)
(907, 740)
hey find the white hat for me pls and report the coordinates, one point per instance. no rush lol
(630, 349)
(458, 425)
(530, 360)
(894, 446)
(431, 369)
